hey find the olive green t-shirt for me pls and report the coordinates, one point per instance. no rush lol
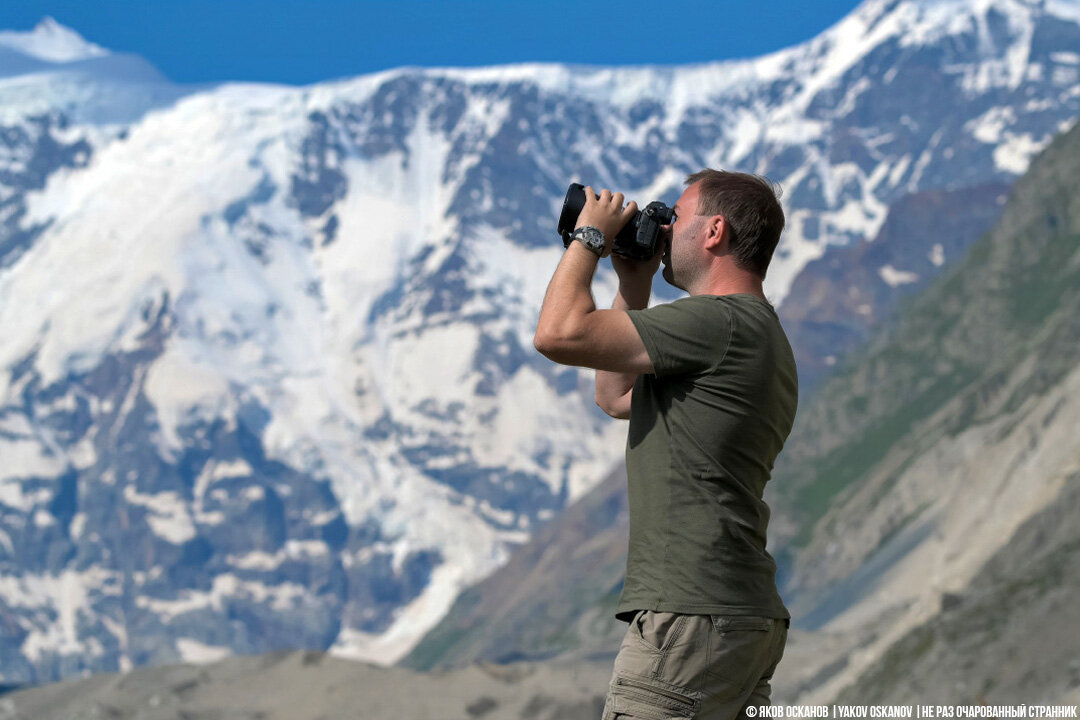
(705, 429)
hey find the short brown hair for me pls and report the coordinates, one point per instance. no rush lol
(752, 209)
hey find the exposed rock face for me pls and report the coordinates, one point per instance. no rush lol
(555, 597)
(839, 300)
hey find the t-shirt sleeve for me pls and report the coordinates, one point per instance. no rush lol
(690, 335)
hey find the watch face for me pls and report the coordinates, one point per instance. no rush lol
(592, 237)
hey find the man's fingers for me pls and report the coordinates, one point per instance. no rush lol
(610, 205)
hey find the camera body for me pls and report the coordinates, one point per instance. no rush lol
(640, 239)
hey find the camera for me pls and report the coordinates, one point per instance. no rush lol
(641, 239)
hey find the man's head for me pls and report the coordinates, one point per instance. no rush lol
(723, 213)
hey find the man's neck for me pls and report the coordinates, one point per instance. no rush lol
(730, 283)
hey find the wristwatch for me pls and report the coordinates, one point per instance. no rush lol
(591, 238)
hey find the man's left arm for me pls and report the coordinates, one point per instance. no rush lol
(571, 331)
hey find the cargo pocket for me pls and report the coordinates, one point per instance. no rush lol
(738, 652)
(651, 699)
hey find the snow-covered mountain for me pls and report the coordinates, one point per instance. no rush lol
(49, 43)
(266, 377)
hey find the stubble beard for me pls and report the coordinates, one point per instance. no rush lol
(668, 272)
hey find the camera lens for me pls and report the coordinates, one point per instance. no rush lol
(571, 208)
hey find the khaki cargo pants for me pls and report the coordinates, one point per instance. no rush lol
(707, 667)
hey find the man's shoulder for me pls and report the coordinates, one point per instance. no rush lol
(739, 299)
(690, 303)
(758, 311)
(691, 314)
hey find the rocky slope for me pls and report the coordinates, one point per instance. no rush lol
(1020, 606)
(312, 684)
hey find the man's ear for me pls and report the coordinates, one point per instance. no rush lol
(717, 233)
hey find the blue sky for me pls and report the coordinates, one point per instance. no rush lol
(305, 41)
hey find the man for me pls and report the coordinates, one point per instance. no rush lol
(709, 385)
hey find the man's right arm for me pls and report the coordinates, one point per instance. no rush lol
(613, 389)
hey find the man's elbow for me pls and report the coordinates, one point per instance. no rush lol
(618, 409)
(553, 346)
(544, 344)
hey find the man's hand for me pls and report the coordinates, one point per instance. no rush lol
(634, 273)
(606, 215)
(570, 330)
